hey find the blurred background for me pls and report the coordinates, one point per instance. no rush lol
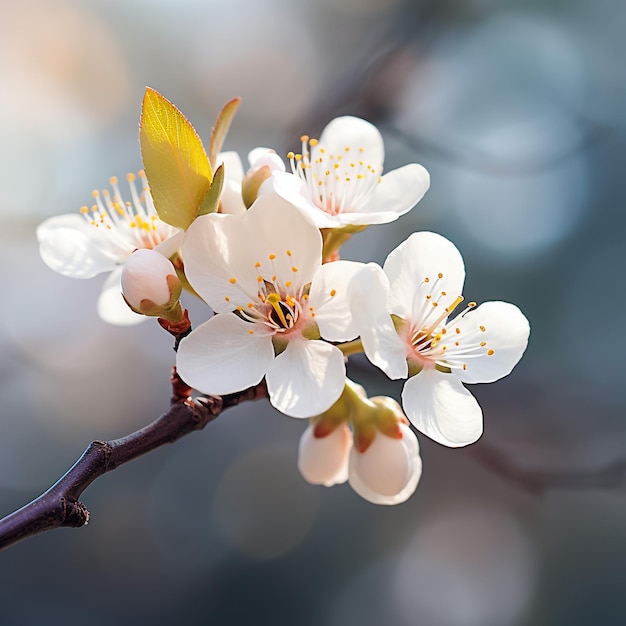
(518, 110)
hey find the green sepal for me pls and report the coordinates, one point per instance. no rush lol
(211, 201)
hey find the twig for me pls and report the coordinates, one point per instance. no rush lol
(60, 505)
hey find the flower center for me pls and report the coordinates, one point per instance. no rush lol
(449, 346)
(279, 305)
(337, 183)
(127, 226)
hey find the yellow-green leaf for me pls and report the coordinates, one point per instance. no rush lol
(222, 124)
(176, 164)
(211, 200)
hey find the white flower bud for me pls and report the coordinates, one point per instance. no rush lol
(389, 470)
(324, 460)
(149, 282)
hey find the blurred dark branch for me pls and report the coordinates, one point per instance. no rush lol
(540, 480)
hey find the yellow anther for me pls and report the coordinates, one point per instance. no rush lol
(440, 275)
(471, 305)
(113, 180)
(426, 280)
(435, 304)
(250, 332)
(458, 331)
(443, 293)
(336, 165)
(259, 279)
(482, 328)
(464, 366)
(489, 352)
(130, 177)
(294, 269)
(227, 298)
(240, 309)
(483, 344)
(428, 297)
(305, 296)
(298, 157)
(274, 300)
(95, 193)
(313, 142)
(347, 148)
(288, 252)
(333, 293)
(232, 281)
(290, 155)
(84, 210)
(360, 176)
(250, 305)
(271, 257)
(257, 264)
(288, 283)
(274, 278)
(361, 150)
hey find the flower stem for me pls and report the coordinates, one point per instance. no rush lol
(351, 347)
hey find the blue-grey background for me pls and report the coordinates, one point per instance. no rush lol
(518, 110)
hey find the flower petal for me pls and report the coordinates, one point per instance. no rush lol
(293, 190)
(68, 245)
(225, 254)
(111, 305)
(260, 157)
(506, 333)
(356, 134)
(440, 407)
(399, 190)
(231, 200)
(389, 470)
(329, 298)
(367, 293)
(221, 356)
(307, 378)
(422, 256)
(324, 460)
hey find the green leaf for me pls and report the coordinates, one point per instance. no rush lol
(222, 124)
(176, 164)
(211, 200)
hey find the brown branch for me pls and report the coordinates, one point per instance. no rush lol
(60, 505)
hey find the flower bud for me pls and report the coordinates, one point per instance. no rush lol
(149, 283)
(323, 460)
(263, 162)
(389, 469)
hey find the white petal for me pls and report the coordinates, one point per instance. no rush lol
(144, 276)
(368, 292)
(354, 133)
(333, 312)
(292, 188)
(220, 356)
(439, 406)
(111, 305)
(307, 378)
(231, 200)
(423, 255)
(399, 190)
(260, 157)
(389, 470)
(324, 460)
(506, 333)
(219, 248)
(170, 246)
(68, 245)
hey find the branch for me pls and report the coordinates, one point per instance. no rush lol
(60, 505)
